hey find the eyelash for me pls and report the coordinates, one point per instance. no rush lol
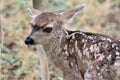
(48, 29)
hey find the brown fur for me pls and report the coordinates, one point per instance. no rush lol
(80, 55)
(44, 18)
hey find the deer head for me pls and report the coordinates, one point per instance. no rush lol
(48, 25)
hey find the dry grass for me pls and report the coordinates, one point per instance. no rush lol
(18, 62)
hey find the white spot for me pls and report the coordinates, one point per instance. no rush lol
(117, 64)
(113, 45)
(117, 53)
(66, 52)
(72, 50)
(86, 52)
(84, 46)
(65, 47)
(103, 38)
(96, 55)
(90, 37)
(84, 35)
(73, 37)
(108, 39)
(92, 48)
(87, 75)
(109, 57)
(106, 45)
(98, 67)
(95, 37)
(83, 40)
(100, 44)
(117, 48)
(69, 45)
(101, 57)
(76, 47)
(71, 64)
(80, 54)
(97, 49)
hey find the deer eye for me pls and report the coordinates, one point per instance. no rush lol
(47, 29)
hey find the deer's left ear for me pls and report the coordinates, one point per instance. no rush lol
(70, 13)
(33, 12)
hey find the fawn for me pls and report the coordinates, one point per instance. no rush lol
(79, 55)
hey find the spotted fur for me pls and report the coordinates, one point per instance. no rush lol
(95, 52)
(91, 55)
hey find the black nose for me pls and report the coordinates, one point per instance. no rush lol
(29, 41)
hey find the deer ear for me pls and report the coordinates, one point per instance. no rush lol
(33, 12)
(70, 13)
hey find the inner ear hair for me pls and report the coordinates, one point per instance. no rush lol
(33, 12)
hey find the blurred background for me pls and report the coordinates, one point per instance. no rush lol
(18, 62)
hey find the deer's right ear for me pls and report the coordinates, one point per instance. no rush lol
(33, 12)
(70, 13)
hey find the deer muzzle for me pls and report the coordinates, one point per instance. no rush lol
(29, 41)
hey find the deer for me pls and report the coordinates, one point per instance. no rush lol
(79, 55)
